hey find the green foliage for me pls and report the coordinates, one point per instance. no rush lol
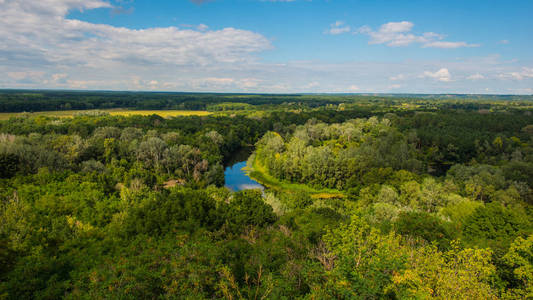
(364, 261)
(425, 226)
(496, 226)
(248, 208)
(164, 213)
(364, 198)
(298, 200)
(520, 260)
(336, 155)
(311, 224)
(459, 209)
(455, 274)
(9, 164)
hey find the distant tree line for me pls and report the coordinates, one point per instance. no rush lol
(48, 100)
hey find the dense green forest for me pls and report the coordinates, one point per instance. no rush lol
(50, 100)
(367, 197)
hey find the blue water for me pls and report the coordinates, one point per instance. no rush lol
(237, 180)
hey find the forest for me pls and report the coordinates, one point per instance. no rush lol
(366, 197)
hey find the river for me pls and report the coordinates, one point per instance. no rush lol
(235, 177)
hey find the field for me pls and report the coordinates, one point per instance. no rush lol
(113, 112)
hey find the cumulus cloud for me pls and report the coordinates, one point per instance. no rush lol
(518, 75)
(57, 77)
(41, 48)
(119, 10)
(398, 34)
(448, 45)
(476, 76)
(338, 28)
(17, 75)
(38, 29)
(26, 75)
(202, 27)
(440, 75)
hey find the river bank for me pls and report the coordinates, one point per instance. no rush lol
(258, 172)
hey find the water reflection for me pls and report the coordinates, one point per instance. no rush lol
(237, 180)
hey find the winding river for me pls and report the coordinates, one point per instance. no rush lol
(237, 179)
(234, 175)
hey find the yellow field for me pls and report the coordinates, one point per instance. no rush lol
(113, 112)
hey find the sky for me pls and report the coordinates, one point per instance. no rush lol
(268, 46)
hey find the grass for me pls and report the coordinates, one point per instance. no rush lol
(259, 173)
(113, 112)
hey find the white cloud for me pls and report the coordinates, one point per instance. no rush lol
(440, 75)
(84, 84)
(527, 72)
(25, 75)
(338, 28)
(396, 27)
(289, 77)
(41, 48)
(448, 45)
(520, 75)
(37, 31)
(218, 81)
(397, 34)
(57, 77)
(397, 77)
(395, 86)
(52, 7)
(202, 27)
(504, 42)
(476, 76)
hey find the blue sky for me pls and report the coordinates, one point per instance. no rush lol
(269, 46)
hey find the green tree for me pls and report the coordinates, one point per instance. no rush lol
(455, 274)
(365, 260)
(520, 260)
